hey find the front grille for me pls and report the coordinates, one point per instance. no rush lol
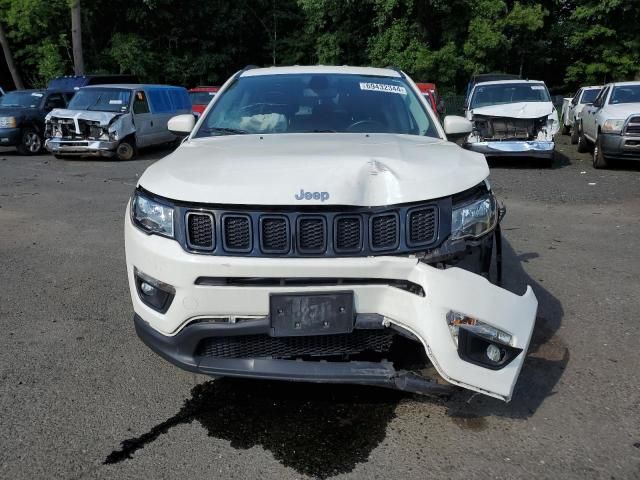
(334, 231)
(264, 346)
(422, 225)
(200, 230)
(274, 234)
(633, 126)
(237, 233)
(384, 231)
(348, 234)
(312, 234)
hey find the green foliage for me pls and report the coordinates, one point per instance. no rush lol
(564, 42)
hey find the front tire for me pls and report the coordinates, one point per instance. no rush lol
(31, 142)
(598, 155)
(574, 133)
(126, 150)
(583, 143)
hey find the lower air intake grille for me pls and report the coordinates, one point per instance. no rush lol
(264, 346)
(200, 229)
(237, 233)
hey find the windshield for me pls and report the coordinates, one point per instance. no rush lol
(590, 95)
(302, 103)
(101, 99)
(501, 93)
(201, 98)
(625, 94)
(21, 99)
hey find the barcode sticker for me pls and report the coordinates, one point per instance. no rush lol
(383, 87)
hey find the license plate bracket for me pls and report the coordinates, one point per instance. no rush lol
(302, 314)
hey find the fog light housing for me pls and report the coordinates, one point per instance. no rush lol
(153, 293)
(480, 343)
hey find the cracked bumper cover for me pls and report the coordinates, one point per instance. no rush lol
(95, 148)
(533, 148)
(172, 334)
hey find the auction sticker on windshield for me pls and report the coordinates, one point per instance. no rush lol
(383, 87)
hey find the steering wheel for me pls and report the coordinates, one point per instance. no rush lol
(361, 123)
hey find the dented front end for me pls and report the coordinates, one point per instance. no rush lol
(85, 133)
(507, 136)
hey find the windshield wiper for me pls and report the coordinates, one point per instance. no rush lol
(224, 130)
(320, 131)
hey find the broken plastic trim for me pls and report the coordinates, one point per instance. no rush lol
(307, 282)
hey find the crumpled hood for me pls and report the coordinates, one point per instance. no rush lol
(621, 110)
(516, 110)
(104, 118)
(353, 169)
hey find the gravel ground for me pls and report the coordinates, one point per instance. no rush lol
(81, 397)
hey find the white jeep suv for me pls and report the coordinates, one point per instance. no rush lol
(316, 225)
(610, 126)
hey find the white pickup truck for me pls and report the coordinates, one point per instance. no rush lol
(316, 225)
(610, 127)
(572, 108)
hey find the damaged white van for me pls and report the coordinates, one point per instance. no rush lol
(114, 120)
(512, 118)
(316, 225)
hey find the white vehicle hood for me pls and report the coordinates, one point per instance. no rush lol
(516, 110)
(354, 169)
(104, 118)
(620, 110)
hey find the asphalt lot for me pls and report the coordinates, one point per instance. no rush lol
(81, 397)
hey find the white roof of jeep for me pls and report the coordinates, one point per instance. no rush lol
(500, 82)
(320, 69)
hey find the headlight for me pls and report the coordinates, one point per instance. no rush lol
(151, 216)
(8, 122)
(612, 126)
(474, 219)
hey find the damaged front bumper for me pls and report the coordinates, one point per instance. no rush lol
(176, 333)
(84, 148)
(513, 148)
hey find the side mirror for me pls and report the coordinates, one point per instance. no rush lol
(441, 107)
(181, 125)
(455, 126)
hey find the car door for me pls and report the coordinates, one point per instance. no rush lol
(589, 114)
(570, 114)
(142, 119)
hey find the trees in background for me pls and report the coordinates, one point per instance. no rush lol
(8, 56)
(564, 42)
(76, 37)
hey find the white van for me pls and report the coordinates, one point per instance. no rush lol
(115, 120)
